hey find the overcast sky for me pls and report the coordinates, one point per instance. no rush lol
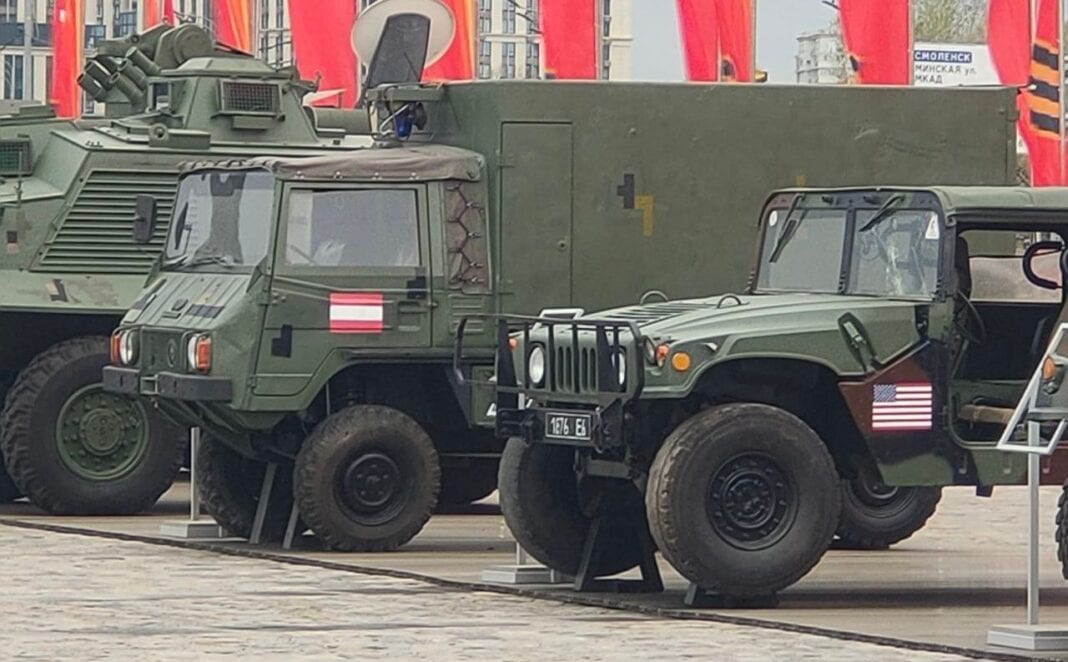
(657, 54)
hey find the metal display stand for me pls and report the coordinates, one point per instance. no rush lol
(523, 572)
(195, 527)
(1032, 636)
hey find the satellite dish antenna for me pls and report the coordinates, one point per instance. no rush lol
(371, 24)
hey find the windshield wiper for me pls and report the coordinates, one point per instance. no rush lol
(789, 230)
(883, 212)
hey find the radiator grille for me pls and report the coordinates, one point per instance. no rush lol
(95, 236)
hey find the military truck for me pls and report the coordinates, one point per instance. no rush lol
(319, 366)
(885, 336)
(71, 268)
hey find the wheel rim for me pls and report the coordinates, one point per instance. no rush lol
(371, 487)
(876, 497)
(101, 436)
(751, 501)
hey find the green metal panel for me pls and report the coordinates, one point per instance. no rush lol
(536, 243)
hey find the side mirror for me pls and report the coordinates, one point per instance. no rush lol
(144, 223)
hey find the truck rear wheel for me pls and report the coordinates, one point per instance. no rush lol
(550, 513)
(743, 499)
(875, 516)
(75, 449)
(367, 479)
(462, 485)
(230, 485)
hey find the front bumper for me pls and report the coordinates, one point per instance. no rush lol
(173, 386)
(600, 429)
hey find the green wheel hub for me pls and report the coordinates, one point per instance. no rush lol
(100, 435)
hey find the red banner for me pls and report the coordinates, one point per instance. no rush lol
(1041, 126)
(1008, 37)
(321, 48)
(735, 19)
(65, 95)
(700, 38)
(168, 12)
(569, 31)
(233, 23)
(151, 14)
(877, 40)
(458, 62)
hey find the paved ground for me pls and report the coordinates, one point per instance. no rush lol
(943, 587)
(76, 597)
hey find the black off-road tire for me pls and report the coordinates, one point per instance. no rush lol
(8, 490)
(461, 485)
(230, 484)
(876, 519)
(1061, 534)
(31, 451)
(543, 507)
(367, 479)
(743, 500)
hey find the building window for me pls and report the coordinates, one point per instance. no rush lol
(125, 23)
(94, 34)
(533, 60)
(9, 12)
(265, 16)
(485, 54)
(508, 17)
(485, 17)
(88, 105)
(606, 61)
(48, 77)
(12, 76)
(532, 16)
(508, 60)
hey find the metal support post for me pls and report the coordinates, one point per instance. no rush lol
(195, 527)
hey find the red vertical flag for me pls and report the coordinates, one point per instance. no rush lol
(1008, 37)
(1042, 109)
(735, 20)
(233, 23)
(168, 12)
(151, 14)
(458, 62)
(569, 38)
(65, 94)
(700, 38)
(877, 40)
(321, 47)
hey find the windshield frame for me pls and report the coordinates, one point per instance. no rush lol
(852, 202)
(177, 264)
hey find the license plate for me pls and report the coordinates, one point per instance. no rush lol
(570, 427)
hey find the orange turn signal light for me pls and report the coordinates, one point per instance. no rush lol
(680, 361)
(1049, 369)
(512, 344)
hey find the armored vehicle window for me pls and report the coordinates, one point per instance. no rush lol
(364, 228)
(897, 255)
(221, 217)
(803, 253)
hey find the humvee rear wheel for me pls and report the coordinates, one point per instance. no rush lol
(549, 511)
(875, 515)
(8, 490)
(473, 482)
(230, 485)
(367, 479)
(743, 499)
(73, 448)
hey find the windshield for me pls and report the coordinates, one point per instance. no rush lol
(877, 252)
(221, 218)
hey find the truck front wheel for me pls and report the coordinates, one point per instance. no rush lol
(743, 499)
(875, 516)
(549, 511)
(367, 479)
(75, 449)
(8, 490)
(230, 485)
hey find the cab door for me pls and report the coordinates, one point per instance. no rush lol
(350, 279)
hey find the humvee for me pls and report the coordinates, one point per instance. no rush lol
(876, 356)
(70, 267)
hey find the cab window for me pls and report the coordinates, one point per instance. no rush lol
(353, 228)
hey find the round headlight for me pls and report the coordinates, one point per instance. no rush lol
(649, 349)
(191, 352)
(621, 367)
(127, 347)
(536, 365)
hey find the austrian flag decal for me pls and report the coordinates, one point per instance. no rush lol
(356, 313)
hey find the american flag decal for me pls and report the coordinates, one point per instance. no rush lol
(904, 406)
(356, 313)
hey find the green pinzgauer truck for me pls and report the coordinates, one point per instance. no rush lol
(70, 268)
(305, 311)
(876, 356)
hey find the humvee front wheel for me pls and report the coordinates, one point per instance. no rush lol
(8, 490)
(549, 511)
(367, 479)
(230, 485)
(743, 499)
(875, 515)
(75, 449)
(461, 485)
